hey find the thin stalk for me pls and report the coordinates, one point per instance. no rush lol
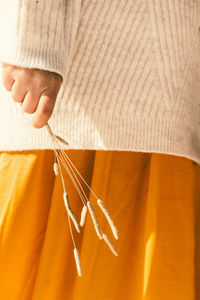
(79, 174)
(70, 229)
(63, 152)
(59, 166)
(63, 183)
(70, 174)
(67, 169)
(74, 182)
(70, 162)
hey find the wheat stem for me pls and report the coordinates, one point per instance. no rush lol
(100, 203)
(110, 245)
(70, 162)
(62, 157)
(66, 167)
(106, 214)
(83, 215)
(74, 181)
(59, 166)
(94, 219)
(77, 260)
(68, 171)
(70, 230)
(55, 168)
(70, 212)
(61, 140)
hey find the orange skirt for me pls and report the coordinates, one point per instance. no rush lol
(154, 200)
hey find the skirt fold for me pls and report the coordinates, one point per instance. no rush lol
(154, 200)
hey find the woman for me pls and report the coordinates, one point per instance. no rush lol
(119, 80)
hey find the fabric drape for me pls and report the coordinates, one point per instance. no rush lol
(154, 200)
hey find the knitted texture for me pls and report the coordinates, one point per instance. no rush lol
(131, 73)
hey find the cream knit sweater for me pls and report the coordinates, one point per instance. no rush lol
(131, 71)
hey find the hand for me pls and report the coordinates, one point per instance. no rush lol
(35, 89)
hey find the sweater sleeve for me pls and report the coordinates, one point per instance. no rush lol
(32, 34)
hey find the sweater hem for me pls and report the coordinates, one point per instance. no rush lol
(194, 159)
(100, 132)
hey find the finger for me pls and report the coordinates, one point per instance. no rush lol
(7, 79)
(30, 103)
(18, 91)
(44, 110)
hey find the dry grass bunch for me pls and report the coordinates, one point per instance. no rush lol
(61, 158)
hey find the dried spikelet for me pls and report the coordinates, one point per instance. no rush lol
(94, 219)
(61, 140)
(55, 167)
(83, 215)
(70, 212)
(105, 211)
(77, 260)
(56, 136)
(110, 245)
(60, 156)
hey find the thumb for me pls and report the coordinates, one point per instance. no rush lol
(44, 110)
